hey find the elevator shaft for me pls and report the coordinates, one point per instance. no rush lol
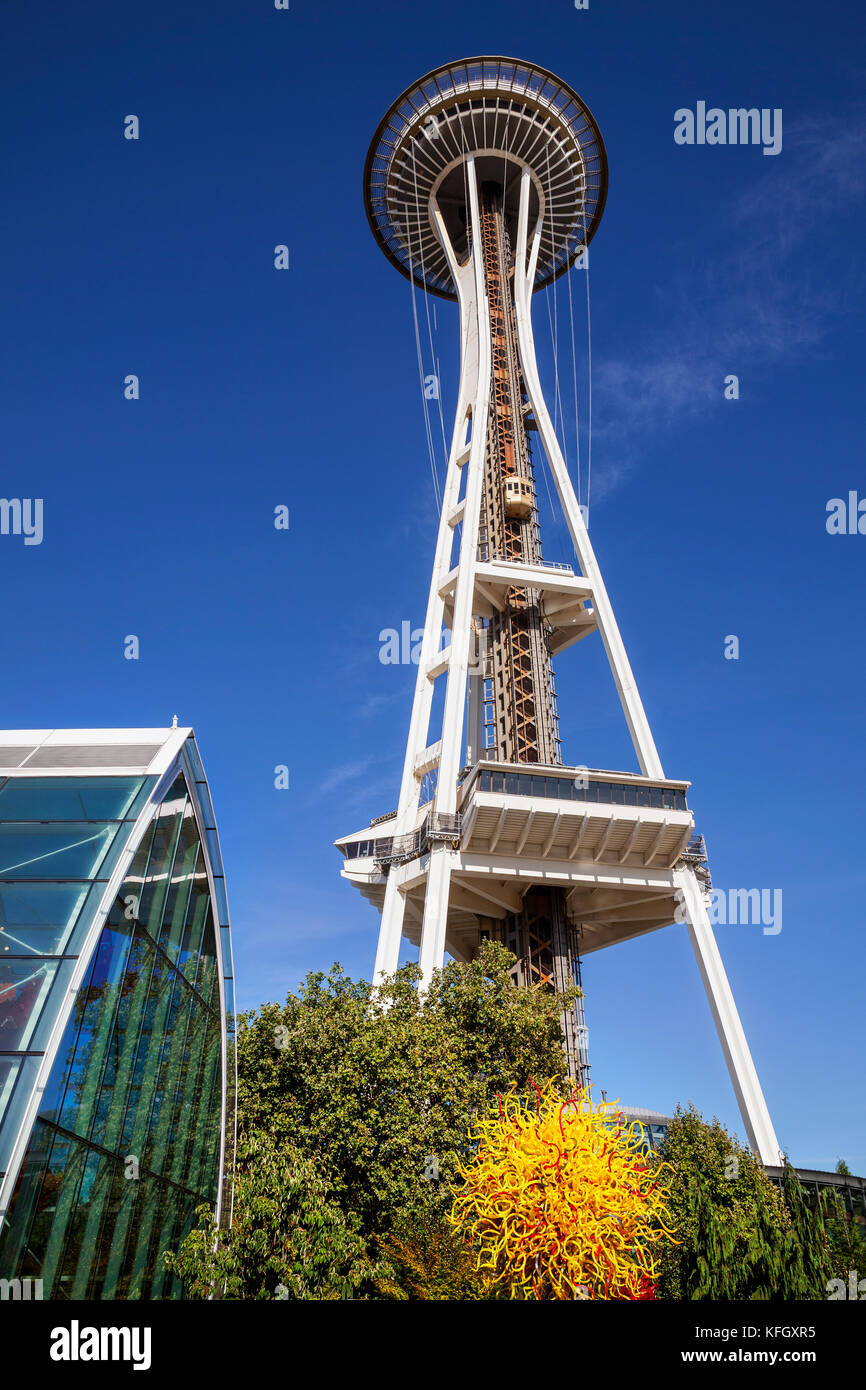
(545, 944)
(520, 722)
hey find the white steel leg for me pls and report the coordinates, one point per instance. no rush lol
(390, 932)
(435, 913)
(524, 274)
(439, 871)
(741, 1068)
(470, 398)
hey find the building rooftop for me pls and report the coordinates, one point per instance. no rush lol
(646, 1117)
(55, 752)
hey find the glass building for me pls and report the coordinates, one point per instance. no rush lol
(117, 1060)
(655, 1125)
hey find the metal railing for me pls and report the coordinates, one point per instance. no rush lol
(444, 827)
(694, 857)
(399, 849)
(524, 564)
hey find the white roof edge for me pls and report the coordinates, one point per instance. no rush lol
(640, 1112)
(84, 736)
(167, 741)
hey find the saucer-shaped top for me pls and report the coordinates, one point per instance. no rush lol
(507, 115)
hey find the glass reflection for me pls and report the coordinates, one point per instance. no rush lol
(138, 1074)
(68, 798)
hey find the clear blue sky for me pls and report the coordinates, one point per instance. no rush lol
(258, 387)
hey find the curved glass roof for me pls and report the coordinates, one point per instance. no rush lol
(116, 1008)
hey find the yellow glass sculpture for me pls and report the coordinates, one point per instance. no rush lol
(560, 1200)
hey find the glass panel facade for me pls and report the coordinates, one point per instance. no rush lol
(69, 798)
(17, 1079)
(59, 841)
(654, 1133)
(38, 919)
(55, 850)
(551, 787)
(570, 789)
(127, 1138)
(195, 772)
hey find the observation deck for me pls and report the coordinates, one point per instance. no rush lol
(507, 115)
(613, 839)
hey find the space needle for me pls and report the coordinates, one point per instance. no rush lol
(485, 182)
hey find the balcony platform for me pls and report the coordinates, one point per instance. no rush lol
(611, 839)
(565, 596)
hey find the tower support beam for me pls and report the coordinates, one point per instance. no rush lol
(524, 280)
(741, 1068)
(474, 311)
(465, 454)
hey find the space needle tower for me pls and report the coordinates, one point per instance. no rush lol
(485, 181)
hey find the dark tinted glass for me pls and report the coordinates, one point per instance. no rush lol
(68, 798)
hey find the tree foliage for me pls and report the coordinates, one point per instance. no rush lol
(741, 1236)
(378, 1090)
(355, 1106)
(288, 1240)
(426, 1259)
(847, 1241)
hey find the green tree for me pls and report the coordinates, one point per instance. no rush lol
(378, 1090)
(288, 1240)
(355, 1105)
(807, 1253)
(426, 1259)
(740, 1236)
(719, 1195)
(847, 1239)
(847, 1242)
